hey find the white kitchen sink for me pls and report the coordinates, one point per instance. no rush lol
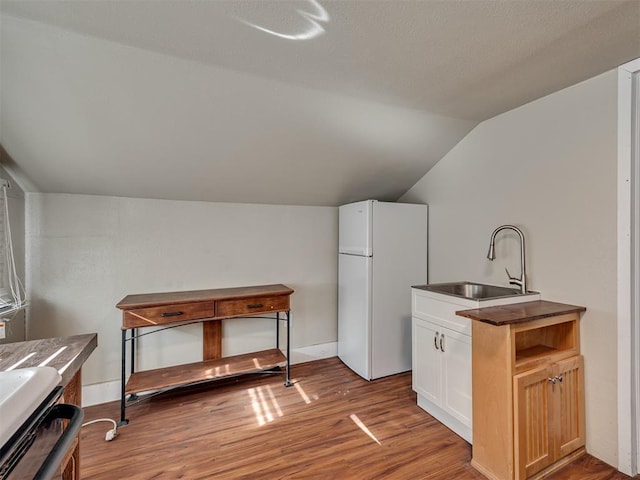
(21, 393)
(476, 295)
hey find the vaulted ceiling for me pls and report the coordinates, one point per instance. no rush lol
(309, 102)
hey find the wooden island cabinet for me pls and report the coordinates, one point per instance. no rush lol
(209, 307)
(528, 389)
(67, 355)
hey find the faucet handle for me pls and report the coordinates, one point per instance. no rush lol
(513, 280)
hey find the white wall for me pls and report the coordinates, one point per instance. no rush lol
(549, 167)
(85, 253)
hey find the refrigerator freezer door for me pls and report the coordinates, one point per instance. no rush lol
(355, 228)
(354, 313)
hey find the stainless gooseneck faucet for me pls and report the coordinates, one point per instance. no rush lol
(522, 281)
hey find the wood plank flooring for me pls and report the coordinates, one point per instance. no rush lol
(330, 425)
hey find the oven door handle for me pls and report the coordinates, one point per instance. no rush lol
(75, 415)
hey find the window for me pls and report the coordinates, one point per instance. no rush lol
(11, 289)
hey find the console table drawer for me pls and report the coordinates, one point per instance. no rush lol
(250, 306)
(146, 317)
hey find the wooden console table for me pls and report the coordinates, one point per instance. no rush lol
(208, 307)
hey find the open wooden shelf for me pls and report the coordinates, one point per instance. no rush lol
(539, 342)
(169, 377)
(532, 353)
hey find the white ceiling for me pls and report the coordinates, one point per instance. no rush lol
(186, 100)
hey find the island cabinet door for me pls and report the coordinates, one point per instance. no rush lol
(570, 393)
(533, 442)
(427, 376)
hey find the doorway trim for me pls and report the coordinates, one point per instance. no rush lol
(628, 267)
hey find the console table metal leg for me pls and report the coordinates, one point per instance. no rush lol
(288, 383)
(133, 349)
(278, 330)
(123, 372)
(133, 338)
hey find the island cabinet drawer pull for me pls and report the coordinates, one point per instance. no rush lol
(172, 314)
(251, 306)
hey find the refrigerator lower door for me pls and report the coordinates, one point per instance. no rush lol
(354, 313)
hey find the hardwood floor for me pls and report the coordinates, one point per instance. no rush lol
(330, 425)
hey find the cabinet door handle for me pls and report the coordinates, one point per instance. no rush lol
(556, 379)
(442, 342)
(172, 314)
(255, 305)
(435, 341)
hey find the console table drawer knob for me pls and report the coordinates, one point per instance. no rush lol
(172, 314)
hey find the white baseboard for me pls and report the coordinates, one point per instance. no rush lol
(100, 393)
(314, 352)
(110, 391)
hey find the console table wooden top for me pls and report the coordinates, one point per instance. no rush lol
(167, 298)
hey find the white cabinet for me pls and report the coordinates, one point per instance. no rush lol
(442, 362)
(441, 354)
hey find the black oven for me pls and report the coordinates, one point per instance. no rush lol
(36, 450)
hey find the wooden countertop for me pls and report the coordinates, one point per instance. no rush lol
(157, 299)
(65, 354)
(519, 312)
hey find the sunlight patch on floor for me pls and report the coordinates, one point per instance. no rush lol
(262, 404)
(302, 393)
(274, 401)
(363, 427)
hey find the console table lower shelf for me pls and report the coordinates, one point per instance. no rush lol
(162, 379)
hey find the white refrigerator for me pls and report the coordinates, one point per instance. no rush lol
(382, 253)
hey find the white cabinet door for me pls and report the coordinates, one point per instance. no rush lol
(427, 359)
(456, 374)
